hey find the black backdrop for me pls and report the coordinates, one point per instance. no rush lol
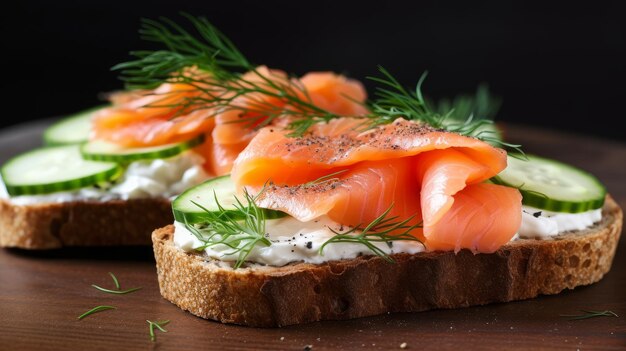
(560, 65)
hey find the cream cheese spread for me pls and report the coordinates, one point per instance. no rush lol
(141, 179)
(294, 241)
(541, 224)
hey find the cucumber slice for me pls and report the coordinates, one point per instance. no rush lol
(71, 130)
(223, 189)
(552, 185)
(52, 169)
(105, 151)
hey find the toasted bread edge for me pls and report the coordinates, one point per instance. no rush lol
(263, 296)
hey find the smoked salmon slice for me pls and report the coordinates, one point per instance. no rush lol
(335, 93)
(152, 118)
(436, 176)
(234, 129)
(157, 117)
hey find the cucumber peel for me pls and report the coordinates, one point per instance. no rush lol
(105, 151)
(54, 169)
(208, 194)
(551, 185)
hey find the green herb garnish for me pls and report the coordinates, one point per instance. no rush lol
(95, 310)
(117, 287)
(243, 228)
(240, 229)
(209, 50)
(159, 325)
(220, 82)
(590, 314)
(119, 292)
(394, 101)
(115, 281)
(481, 105)
(381, 229)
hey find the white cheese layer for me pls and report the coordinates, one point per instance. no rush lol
(541, 224)
(141, 179)
(294, 241)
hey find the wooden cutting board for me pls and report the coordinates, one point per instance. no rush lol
(42, 293)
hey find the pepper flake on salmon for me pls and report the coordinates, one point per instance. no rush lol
(436, 175)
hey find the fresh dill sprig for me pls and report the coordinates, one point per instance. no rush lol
(481, 105)
(240, 229)
(119, 292)
(115, 281)
(590, 314)
(393, 101)
(381, 229)
(158, 325)
(95, 310)
(209, 63)
(243, 227)
(221, 82)
(211, 52)
(117, 287)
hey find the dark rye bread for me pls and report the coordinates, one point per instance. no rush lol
(82, 223)
(264, 296)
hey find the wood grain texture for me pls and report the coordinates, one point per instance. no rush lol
(41, 293)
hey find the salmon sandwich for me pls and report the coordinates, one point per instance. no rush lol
(339, 224)
(107, 175)
(400, 208)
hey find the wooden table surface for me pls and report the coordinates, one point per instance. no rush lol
(42, 293)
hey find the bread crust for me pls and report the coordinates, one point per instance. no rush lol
(82, 223)
(263, 296)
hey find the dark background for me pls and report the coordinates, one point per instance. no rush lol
(556, 65)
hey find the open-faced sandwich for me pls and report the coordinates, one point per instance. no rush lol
(397, 208)
(76, 192)
(107, 175)
(402, 217)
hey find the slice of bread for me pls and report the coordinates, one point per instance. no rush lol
(82, 223)
(264, 296)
